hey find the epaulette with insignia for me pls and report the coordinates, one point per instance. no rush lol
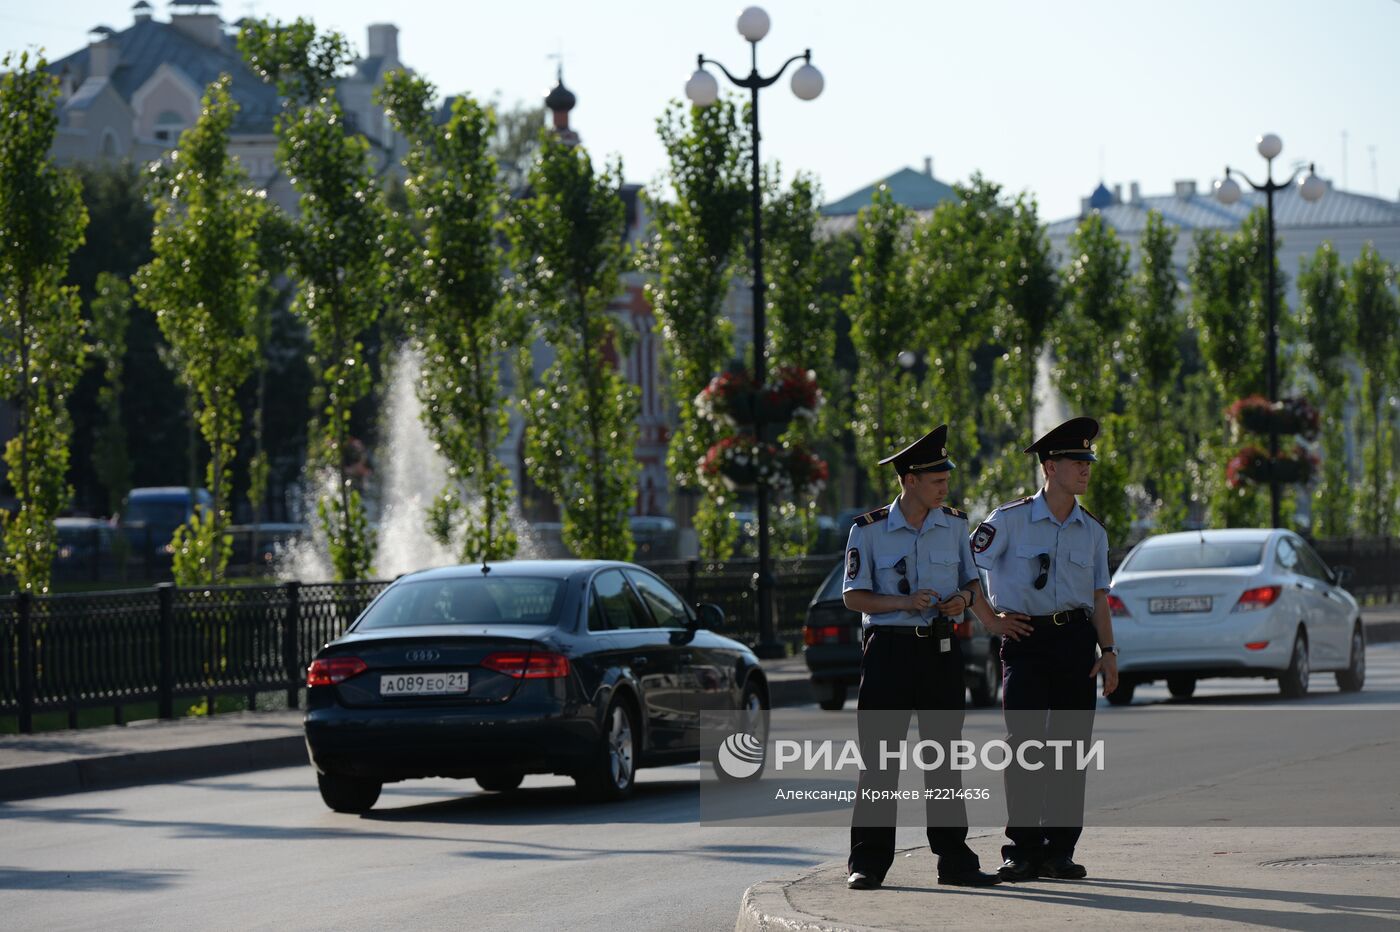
(1094, 516)
(870, 517)
(950, 510)
(1020, 501)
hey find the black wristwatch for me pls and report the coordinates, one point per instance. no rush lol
(1109, 649)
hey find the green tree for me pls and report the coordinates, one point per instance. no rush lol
(1377, 347)
(801, 331)
(1089, 362)
(1328, 331)
(337, 253)
(1028, 304)
(692, 257)
(203, 286)
(41, 328)
(457, 313)
(1155, 327)
(581, 422)
(890, 408)
(954, 290)
(111, 308)
(1228, 275)
(515, 143)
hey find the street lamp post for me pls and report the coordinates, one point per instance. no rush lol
(1227, 191)
(703, 91)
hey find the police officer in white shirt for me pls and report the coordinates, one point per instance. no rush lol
(1046, 558)
(909, 572)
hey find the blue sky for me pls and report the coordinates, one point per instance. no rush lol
(1035, 95)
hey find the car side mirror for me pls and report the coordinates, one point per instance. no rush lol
(709, 616)
(1341, 575)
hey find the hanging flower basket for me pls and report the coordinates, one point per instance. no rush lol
(741, 462)
(1252, 464)
(728, 400)
(1258, 415)
(733, 400)
(793, 393)
(805, 471)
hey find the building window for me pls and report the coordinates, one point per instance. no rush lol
(168, 126)
(109, 144)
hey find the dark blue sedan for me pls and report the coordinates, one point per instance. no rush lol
(590, 669)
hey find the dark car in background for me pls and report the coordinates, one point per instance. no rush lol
(833, 649)
(585, 668)
(150, 515)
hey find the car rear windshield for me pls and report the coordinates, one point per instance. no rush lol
(493, 600)
(1197, 555)
(831, 588)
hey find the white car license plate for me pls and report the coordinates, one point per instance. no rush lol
(1180, 605)
(422, 684)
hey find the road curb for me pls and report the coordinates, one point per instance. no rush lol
(765, 907)
(131, 769)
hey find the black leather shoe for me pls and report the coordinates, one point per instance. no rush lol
(1062, 868)
(1014, 871)
(972, 877)
(859, 881)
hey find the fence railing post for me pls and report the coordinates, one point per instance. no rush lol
(692, 572)
(165, 595)
(291, 659)
(24, 605)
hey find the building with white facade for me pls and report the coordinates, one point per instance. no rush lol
(1345, 219)
(130, 93)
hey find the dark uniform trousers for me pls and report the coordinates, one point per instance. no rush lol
(903, 673)
(1047, 694)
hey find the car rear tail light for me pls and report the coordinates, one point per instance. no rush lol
(826, 634)
(1256, 645)
(963, 630)
(1251, 600)
(332, 670)
(535, 665)
(1117, 608)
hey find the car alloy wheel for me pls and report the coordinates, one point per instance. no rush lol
(1293, 684)
(1353, 677)
(611, 774)
(985, 693)
(620, 748)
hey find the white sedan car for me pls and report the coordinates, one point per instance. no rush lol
(1233, 603)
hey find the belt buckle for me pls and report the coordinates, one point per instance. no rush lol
(926, 630)
(1059, 618)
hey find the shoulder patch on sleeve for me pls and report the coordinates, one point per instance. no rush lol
(870, 517)
(982, 537)
(1094, 516)
(949, 509)
(853, 563)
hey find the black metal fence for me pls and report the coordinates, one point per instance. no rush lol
(115, 649)
(732, 585)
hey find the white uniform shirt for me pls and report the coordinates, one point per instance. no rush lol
(1021, 537)
(936, 556)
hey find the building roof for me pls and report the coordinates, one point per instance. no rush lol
(910, 188)
(147, 44)
(1201, 211)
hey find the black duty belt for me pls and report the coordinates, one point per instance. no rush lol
(938, 628)
(1075, 615)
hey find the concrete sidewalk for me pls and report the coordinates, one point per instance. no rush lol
(1157, 878)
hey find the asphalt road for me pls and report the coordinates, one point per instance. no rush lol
(261, 851)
